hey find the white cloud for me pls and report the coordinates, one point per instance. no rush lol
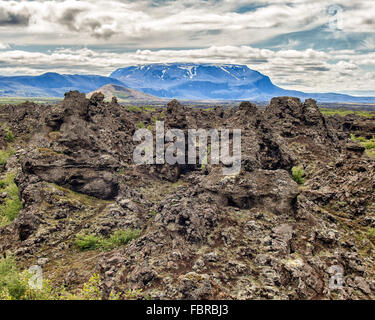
(368, 43)
(139, 24)
(4, 46)
(307, 70)
(223, 31)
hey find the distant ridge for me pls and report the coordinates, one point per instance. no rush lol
(51, 84)
(124, 94)
(184, 81)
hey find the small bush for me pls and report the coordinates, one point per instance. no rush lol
(122, 237)
(14, 285)
(141, 125)
(88, 242)
(369, 144)
(298, 175)
(11, 286)
(5, 155)
(133, 294)
(119, 238)
(91, 289)
(371, 233)
(9, 137)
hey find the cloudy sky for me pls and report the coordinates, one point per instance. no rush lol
(315, 46)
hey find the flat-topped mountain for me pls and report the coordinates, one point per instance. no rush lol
(186, 81)
(213, 81)
(198, 81)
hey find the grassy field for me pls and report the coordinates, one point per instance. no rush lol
(344, 112)
(369, 144)
(19, 100)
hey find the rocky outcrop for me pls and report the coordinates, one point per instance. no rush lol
(253, 235)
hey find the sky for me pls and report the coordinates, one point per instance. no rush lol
(313, 46)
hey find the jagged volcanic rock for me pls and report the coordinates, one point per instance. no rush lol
(255, 235)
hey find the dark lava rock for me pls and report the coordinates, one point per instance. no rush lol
(253, 235)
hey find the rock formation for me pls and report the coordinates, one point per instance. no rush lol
(256, 235)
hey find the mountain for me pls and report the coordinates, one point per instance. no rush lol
(213, 81)
(51, 84)
(124, 94)
(187, 81)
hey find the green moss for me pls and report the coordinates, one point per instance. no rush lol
(153, 213)
(358, 139)
(368, 144)
(12, 205)
(298, 175)
(133, 294)
(121, 171)
(5, 155)
(371, 233)
(134, 108)
(47, 152)
(141, 108)
(119, 238)
(140, 125)
(73, 197)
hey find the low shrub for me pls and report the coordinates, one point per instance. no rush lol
(15, 285)
(12, 205)
(369, 144)
(9, 136)
(87, 242)
(91, 289)
(298, 175)
(11, 285)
